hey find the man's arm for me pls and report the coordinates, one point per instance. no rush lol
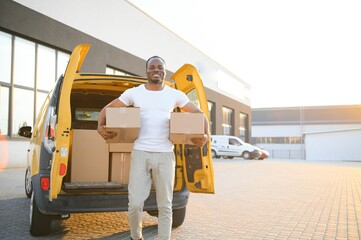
(191, 107)
(102, 119)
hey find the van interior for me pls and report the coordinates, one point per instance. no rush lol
(97, 166)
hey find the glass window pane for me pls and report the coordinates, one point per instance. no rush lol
(227, 123)
(87, 114)
(113, 71)
(5, 57)
(63, 59)
(40, 98)
(23, 109)
(212, 120)
(243, 126)
(24, 62)
(193, 97)
(45, 68)
(4, 110)
(109, 70)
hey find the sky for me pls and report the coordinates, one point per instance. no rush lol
(292, 53)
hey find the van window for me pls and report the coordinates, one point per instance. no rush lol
(233, 141)
(87, 114)
(193, 97)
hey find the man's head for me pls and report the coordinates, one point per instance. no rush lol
(155, 70)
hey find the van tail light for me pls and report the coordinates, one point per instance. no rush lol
(62, 169)
(49, 134)
(45, 183)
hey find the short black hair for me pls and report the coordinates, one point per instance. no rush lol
(146, 64)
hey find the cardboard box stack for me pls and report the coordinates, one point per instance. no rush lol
(126, 122)
(120, 162)
(96, 160)
(90, 157)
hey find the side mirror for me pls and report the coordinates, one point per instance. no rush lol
(25, 132)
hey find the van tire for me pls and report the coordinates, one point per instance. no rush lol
(214, 154)
(178, 217)
(28, 184)
(40, 224)
(153, 213)
(246, 155)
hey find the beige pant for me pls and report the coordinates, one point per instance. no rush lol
(144, 167)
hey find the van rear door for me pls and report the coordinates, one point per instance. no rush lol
(59, 162)
(197, 164)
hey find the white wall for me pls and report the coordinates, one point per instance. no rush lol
(276, 131)
(333, 144)
(297, 130)
(329, 127)
(122, 25)
(336, 145)
(17, 158)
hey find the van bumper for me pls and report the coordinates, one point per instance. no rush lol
(102, 202)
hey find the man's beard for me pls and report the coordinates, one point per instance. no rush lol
(156, 81)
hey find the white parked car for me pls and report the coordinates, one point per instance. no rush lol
(231, 146)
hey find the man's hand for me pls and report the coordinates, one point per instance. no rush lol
(106, 134)
(200, 141)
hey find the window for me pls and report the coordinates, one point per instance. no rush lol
(35, 69)
(40, 98)
(87, 114)
(5, 57)
(113, 71)
(61, 63)
(4, 110)
(193, 97)
(23, 109)
(234, 142)
(24, 62)
(45, 68)
(278, 140)
(212, 114)
(227, 124)
(243, 126)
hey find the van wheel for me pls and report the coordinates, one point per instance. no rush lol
(246, 155)
(153, 213)
(178, 217)
(214, 154)
(40, 224)
(28, 183)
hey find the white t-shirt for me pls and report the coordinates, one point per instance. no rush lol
(155, 108)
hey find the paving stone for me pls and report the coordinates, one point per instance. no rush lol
(270, 199)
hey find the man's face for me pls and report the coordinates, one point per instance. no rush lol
(155, 70)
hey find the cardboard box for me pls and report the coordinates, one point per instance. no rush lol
(121, 147)
(89, 157)
(125, 122)
(120, 162)
(120, 167)
(184, 126)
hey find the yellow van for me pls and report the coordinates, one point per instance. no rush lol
(71, 169)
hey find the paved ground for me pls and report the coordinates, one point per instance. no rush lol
(270, 199)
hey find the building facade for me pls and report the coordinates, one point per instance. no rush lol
(311, 133)
(36, 40)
